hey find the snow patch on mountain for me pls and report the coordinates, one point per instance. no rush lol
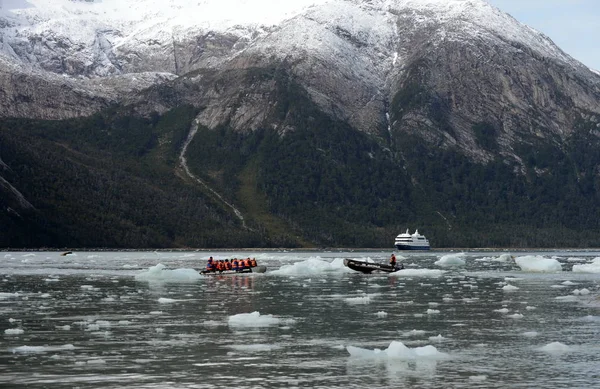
(90, 37)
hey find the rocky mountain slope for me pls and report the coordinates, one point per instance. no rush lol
(432, 98)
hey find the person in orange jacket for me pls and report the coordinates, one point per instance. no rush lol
(210, 265)
(253, 262)
(235, 264)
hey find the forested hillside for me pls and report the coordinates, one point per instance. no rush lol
(114, 180)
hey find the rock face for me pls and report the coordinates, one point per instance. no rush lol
(387, 67)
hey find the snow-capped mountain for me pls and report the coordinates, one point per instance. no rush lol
(352, 57)
(100, 38)
(292, 119)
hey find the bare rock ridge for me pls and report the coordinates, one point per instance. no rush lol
(351, 56)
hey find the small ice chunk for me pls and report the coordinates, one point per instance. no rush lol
(14, 331)
(451, 260)
(438, 338)
(41, 349)
(161, 274)
(593, 267)
(478, 378)
(358, 300)
(556, 348)
(581, 292)
(415, 333)
(255, 319)
(530, 334)
(509, 288)
(571, 298)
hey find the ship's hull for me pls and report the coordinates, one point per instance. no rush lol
(409, 247)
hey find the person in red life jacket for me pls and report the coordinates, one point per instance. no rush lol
(393, 260)
(220, 265)
(235, 264)
(210, 265)
(241, 264)
(253, 262)
(227, 264)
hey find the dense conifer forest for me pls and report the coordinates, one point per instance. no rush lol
(113, 180)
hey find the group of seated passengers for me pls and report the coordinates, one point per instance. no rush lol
(234, 264)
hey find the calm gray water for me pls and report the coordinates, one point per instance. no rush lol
(477, 320)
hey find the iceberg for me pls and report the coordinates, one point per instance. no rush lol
(538, 264)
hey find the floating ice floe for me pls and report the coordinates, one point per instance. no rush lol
(13, 331)
(381, 314)
(478, 378)
(164, 300)
(509, 288)
(571, 298)
(437, 339)
(556, 348)
(581, 292)
(451, 260)
(414, 333)
(255, 319)
(313, 266)
(41, 349)
(433, 273)
(6, 296)
(504, 258)
(397, 350)
(593, 267)
(539, 264)
(358, 300)
(160, 273)
(530, 334)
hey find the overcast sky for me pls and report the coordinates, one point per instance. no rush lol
(574, 25)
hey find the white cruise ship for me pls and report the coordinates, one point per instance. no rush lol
(409, 241)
